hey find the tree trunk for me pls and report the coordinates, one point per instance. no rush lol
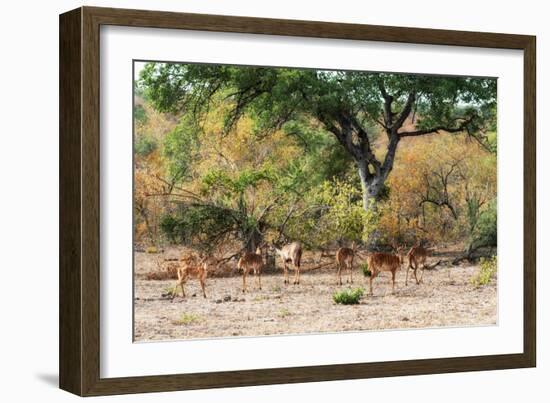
(253, 240)
(370, 185)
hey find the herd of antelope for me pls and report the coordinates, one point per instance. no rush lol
(195, 266)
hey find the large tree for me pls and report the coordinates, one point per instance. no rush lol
(352, 106)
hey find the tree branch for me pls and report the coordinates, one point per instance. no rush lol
(390, 155)
(463, 126)
(405, 112)
(388, 100)
(440, 203)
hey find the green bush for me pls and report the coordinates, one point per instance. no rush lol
(169, 226)
(195, 223)
(487, 270)
(140, 115)
(365, 269)
(348, 297)
(145, 145)
(484, 232)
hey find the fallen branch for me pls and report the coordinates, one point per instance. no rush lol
(224, 260)
(322, 265)
(433, 266)
(460, 259)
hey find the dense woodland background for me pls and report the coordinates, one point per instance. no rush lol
(228, 158)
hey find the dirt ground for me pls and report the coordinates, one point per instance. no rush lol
(446, 298)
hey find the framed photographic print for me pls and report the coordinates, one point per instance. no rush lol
(249, 201)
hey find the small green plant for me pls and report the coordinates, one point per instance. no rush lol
(348, 296)
(365, 269)
(283, 313)
(487, 270)
(187, 319)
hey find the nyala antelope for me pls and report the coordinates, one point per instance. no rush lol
(417, 255)
(191, 266)
(291, 253)
(379, 262)
(344, 261)
(251, 261)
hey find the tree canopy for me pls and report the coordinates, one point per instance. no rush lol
(241, 154)
(347, 104)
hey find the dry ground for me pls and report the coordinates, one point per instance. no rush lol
(446, 298)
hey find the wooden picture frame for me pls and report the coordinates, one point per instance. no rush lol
(79, 281)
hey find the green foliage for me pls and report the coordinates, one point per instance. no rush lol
(187, 319)
(322, 156)
(348, 296)
(259, 152)
(278, 95)
(220, 181)
(345, 214)
(180, 148)
(484, 231)
(365, 269)
(487, 271)
(197, 224)
(338, 214)
(487, 226)
(145, 145)
(169, 226)
(140, 115)
(492, 141)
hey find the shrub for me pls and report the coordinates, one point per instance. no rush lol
(348, 297)
(365, 269)
(283, 313)
(191, 223)
(487, 270)
(145, 145)
(187, 319)
(485, 228)
(140, 115)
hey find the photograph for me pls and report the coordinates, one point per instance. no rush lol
(285, 201)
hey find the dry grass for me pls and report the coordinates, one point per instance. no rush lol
(447, 298)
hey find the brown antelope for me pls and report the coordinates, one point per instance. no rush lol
(252, 261)
(417, 255)
(344, 261)
(191, 266)
(379, 262)
(291, 253)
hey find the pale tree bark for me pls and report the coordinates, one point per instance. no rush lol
(354, 138)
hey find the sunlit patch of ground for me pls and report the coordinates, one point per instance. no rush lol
(446, 298)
